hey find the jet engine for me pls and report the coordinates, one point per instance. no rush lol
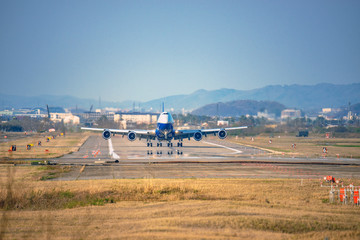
(198, 136)
(106, 134)
(222, 134)
(131, 136)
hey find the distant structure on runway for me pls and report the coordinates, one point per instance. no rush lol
(290, 114)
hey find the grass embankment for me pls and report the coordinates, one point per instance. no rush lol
(305, 147)
(54, 147)
(169, 208)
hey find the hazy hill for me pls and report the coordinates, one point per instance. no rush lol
(241, 107)
(14, 101)
(292, 96)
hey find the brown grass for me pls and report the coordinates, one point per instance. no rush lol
(305, 147)
(56, 147)
(169, 208)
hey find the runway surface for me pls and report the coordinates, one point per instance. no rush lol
(210, 158)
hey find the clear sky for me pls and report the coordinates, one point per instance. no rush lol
(141, 50)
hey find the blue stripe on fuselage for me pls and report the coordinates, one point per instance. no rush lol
(165, 127)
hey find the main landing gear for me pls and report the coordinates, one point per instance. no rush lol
(159, 144)
(169, 152)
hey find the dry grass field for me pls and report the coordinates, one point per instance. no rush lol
(169, 208)
(305, 147)
(55, 147)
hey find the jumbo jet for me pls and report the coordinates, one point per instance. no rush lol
(165, 132)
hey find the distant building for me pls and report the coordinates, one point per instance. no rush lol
(139, 118)
(290, 113)
(330, 113)
(22, 113)
(330, 110)
(265, 114)
(326, 110)
(350, 116)
(95, 116)
(6, 113)
(68, 118)
(273, 126)
(223, 123)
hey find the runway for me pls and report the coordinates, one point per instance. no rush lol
(210, 158)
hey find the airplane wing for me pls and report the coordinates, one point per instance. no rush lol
(147, 134)
(221, 132)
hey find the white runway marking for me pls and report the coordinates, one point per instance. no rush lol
(111, 150)
(232, 149)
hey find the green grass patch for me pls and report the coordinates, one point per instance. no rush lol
(60, 199)
(55, 199)
(47, 177)
(325, 200)
(49, 172)
(66, 194)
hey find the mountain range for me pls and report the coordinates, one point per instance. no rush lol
(304, 97)
(292, 96)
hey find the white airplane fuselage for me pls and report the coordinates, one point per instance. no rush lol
(165, 130)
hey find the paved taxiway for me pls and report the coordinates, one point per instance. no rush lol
(209, 158)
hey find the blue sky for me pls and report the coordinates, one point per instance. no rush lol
(141, 50)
